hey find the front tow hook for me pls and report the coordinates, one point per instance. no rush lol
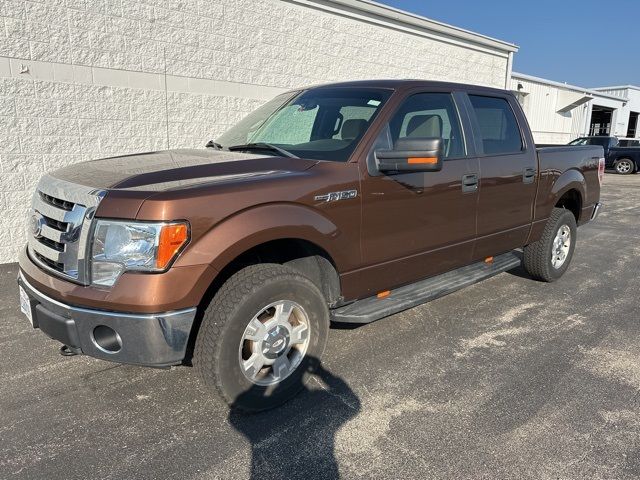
(67, 351)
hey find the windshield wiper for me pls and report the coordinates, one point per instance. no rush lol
(263, 146)
(212, 144)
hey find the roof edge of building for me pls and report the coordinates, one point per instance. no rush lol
(590, 91)
(618, 87)
(394, 15)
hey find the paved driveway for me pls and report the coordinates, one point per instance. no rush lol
(510, 378)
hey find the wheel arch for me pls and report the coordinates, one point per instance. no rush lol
(304, 256)
(571, 200)
(299, 254)
(570, 191)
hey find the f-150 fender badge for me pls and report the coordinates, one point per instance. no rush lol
(335, 196)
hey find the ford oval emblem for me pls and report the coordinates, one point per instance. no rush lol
(36, 222)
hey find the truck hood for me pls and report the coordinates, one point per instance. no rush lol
(155, 172)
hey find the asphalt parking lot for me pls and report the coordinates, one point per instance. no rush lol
(510, 378)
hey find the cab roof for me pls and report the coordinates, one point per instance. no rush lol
(402, 84)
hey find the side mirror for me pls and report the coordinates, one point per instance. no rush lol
(419, 154)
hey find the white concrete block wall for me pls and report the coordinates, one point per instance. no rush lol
(83, 79)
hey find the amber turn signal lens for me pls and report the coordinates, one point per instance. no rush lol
(172, 238)
(429, 160)
(384, 294)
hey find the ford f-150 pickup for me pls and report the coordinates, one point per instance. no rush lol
(346, 202)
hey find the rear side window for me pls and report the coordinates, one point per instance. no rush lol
(498, 126)
(604, 142)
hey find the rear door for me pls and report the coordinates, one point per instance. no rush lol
(508, 166)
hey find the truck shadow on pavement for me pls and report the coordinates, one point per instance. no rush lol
(297, 440)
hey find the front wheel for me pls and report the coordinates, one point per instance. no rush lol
(548, 258)
(261, 336)
(624, 166)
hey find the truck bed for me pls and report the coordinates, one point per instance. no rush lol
(581, 162)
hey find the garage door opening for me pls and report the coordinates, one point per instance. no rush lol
(600, 121)
(633, 125)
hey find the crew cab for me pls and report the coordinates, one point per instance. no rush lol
(621, 154)
(345, 202)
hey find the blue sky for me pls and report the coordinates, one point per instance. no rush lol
(587, 43)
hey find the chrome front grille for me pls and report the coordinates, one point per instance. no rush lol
(59, 227)
(56, 202)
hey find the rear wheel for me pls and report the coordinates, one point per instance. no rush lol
(624, 166)
(261, 336)
(548, 258)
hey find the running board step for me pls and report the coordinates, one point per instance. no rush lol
(373, 308)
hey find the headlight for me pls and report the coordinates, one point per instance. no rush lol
(119, 246)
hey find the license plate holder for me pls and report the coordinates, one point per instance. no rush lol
(26, 306)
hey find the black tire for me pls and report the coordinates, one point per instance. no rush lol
(218, 343)
(538, 255)
(624, 166)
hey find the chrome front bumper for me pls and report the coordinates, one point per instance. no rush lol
(157, 340)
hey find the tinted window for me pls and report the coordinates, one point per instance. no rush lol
(350, 117)
(498, 126)
(603, 141)
(429, 115)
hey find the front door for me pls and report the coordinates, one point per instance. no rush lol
(415, 225)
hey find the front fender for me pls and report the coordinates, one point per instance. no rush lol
(249, 228)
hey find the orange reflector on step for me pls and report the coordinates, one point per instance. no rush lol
(488, 260)
(384, 294)
(431, 160)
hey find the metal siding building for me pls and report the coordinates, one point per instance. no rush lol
(627, 122)
(558, 112)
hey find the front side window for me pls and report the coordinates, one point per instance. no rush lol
(429, 115)
(323, 123)
(499, 129)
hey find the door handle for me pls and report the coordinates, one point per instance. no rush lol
(470, 182)
(529, 175)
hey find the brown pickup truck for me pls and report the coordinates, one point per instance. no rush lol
(346, 203)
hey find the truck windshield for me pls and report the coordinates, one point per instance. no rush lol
(579, 141)
(323, 123)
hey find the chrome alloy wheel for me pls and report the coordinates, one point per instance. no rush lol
(274, 343)
(624, 166)
(561, 246)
